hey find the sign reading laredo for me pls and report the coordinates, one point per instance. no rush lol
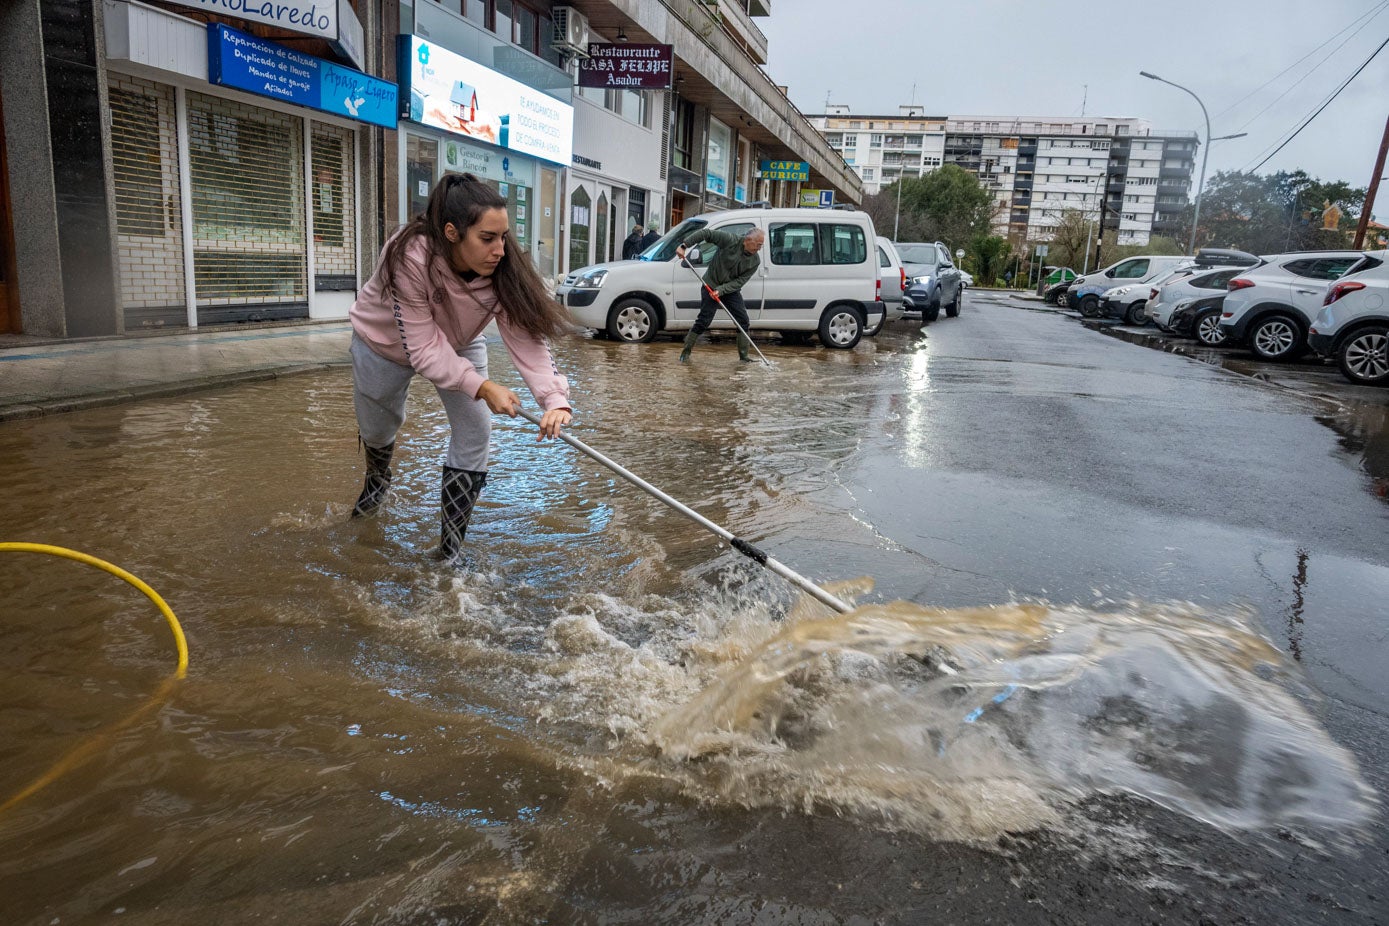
(627, 67)
(785, 170)
(314, 17)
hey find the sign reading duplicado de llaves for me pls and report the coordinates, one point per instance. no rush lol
(627, 67)
(785, 170)
(238, 59)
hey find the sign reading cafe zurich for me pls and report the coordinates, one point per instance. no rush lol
(627, 67)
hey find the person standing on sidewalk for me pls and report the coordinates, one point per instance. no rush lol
(733, 265)
(631, 246)
(440, 280)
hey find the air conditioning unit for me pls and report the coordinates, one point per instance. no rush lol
(571, 31)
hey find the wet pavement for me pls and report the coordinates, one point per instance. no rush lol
(1163, 583)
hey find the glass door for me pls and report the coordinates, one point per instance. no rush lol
(580, 222)
(547, 223)
(421, 168)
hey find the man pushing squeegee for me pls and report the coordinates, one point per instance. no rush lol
(733, 265)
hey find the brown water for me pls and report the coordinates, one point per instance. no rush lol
(589, 722)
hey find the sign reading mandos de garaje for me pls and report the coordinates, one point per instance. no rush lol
(785, 170)
(627, 67)
(238, 59)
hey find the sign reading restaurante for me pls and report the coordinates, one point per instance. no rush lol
(627, 67)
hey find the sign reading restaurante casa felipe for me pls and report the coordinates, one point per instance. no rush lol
(627, 67)
(785, 170)
(238, 59)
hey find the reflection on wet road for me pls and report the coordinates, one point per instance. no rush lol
(1161, 583)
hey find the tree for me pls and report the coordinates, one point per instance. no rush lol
(1068, 241)
(1267, 214)
(990, 256)
(948, 204)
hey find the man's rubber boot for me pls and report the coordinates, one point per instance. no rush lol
(457, 497)
(744, 344)
(689, 346)
(378, 480)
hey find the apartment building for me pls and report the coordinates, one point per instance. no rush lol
(181, 163)
(1134, 179)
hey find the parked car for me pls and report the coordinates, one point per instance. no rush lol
(1199, 318)
(1214, 268)
(819, 273)
(933, 281)
(966, 278)
(893, 285)
(1353, 325)
(1055, 293)
(1085, 291)
(1270, 308)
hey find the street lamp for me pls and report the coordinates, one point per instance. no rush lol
(1206, 152)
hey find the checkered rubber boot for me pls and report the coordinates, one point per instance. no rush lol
(378, 481)
(457, 496)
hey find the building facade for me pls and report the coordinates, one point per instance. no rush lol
(173, 166)
(1135, 180)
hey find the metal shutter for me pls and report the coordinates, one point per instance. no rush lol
(149, 218)
(334, 198)
(246, 167)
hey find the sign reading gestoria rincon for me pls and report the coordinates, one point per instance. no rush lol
(627, 67)
(458, 95)
(237, 59)
(785, 170)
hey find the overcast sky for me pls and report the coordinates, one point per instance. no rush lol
(1015, 57)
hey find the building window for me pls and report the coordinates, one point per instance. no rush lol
(719, 165)
(875, 141)
(684, 135)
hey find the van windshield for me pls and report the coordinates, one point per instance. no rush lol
(917, 253)
(664, 248)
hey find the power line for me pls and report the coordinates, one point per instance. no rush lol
(1299, 81)
(1371, 13)
(1325, 104)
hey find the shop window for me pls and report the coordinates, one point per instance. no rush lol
(421, 167)
(684, 135)
(719, 165)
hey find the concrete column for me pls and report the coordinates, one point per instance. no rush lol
(30, 156)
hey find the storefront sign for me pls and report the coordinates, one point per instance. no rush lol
(452, 93)
(627, 67)
(587, 162)
(236, 59)
(488, 163)
(785, 170)
(334, 20)
(817, 199)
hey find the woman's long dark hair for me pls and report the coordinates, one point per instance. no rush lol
(462, 199)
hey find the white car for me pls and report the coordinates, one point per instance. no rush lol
(1164, 298)
(894, 283)
(1270, 307)
(1353, 325)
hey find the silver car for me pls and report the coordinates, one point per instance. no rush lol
(933, 280)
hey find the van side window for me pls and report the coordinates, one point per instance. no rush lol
(792, 243)
(707, 249)
(842, 244)
(883, 260)
(1134, 270)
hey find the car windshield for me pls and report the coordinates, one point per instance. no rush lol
(664, 248)
(917, 253)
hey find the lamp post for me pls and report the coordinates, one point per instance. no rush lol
(1205, 153)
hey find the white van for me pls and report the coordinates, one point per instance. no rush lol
(819, 273)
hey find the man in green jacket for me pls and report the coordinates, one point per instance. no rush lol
(733, 265)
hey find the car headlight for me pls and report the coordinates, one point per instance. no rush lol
(591, 280)
(922, 280)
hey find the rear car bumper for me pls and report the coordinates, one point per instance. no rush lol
(1321, 343)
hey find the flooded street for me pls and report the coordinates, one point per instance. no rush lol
(1161, 586)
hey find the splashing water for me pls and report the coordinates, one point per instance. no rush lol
(1052, 705)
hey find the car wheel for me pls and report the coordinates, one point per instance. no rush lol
(1137, 314)
(953, 309)
(632, 321)
(1276, 338)
(1090, 307)
(1058, 299)
(1364, 357)
(931, 312)
(1205, 327)
(841, 327)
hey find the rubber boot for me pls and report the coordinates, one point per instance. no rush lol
(689, 346)
(378, 480)
(457, 497)
(744, 345)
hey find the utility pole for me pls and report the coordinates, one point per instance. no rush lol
(1364, 225)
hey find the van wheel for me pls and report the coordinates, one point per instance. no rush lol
(632, 321)
(841, 327)
(1090, 307)
(1276, 338)
(1364, 357)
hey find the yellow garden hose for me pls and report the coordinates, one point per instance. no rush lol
(85, 750)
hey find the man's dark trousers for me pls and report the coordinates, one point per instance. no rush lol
(708, 308)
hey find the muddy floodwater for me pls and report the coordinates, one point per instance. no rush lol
(607, 716)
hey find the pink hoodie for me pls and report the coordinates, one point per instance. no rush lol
(426, 332)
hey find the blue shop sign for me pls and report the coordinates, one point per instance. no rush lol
(237, 59)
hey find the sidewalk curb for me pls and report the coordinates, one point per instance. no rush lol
(20, 412)
(1154, 341)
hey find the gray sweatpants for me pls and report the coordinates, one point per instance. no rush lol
(379, 390)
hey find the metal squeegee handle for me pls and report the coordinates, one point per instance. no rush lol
(737, 543)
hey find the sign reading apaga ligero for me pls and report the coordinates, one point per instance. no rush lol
(627, 67)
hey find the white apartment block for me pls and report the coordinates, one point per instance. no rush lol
(1134, 178)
